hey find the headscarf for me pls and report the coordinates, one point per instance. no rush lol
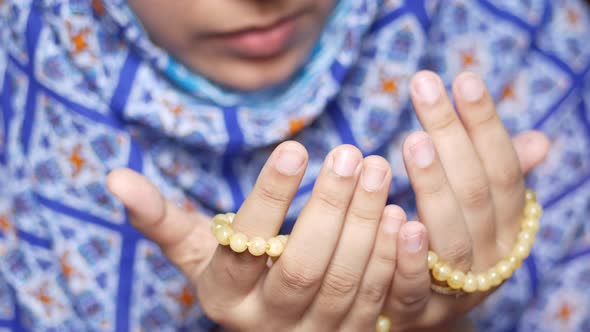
(83, 90)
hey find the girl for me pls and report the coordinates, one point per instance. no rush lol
(90, 87)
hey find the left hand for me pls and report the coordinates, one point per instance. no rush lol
(468, 178)
(339, 257)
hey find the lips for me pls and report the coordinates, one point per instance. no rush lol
(261, 42)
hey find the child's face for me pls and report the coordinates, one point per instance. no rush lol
(243, 44)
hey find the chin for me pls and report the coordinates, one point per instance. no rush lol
(249, 79)
(249, 75)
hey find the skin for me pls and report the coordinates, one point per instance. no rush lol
(470, 197)
(364, 258)
(189, 30)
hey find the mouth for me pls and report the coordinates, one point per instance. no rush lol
(261, 41)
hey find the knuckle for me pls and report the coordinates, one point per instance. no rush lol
(363, 215)
(487, 120)
(331, 200)
(373, 293)
(459, 254)
(445, 122)
(414, 295)
(339, 283)
(385, 258)
(507, 177)
(413, 274)
(294, 280)
(475, 194)
(432, 189)
(412, 302)
(272, 195)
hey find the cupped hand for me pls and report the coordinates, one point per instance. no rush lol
(333, 274)
(468, 177)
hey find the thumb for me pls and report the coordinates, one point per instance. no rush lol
(532, 148)
(183, 237)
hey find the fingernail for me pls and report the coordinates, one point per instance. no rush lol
(413, 242)
(373, 177)
(345, 163)
(471, 88)
(289, 161)
(422, 153)
(426, 88)
(391, 225)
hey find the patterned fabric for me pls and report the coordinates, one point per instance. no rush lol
(82, 91)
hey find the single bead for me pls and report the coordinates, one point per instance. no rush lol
(216, 224)
(441, 271)
(494, 278)
(223, 234)
(504, 269)
(239, 242)
(283, 239)
(230, 217)
(220, 218)
(514, 262)
(456, 280)
(257, 246)
(526, 236)
(218, 221)
(483, 283)
(521, 251)
(383, 324)
(531, 224)
(432, 259)
(530, 196)
(470, 283)
(533, 210)
(274, 247)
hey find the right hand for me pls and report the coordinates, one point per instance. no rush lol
(468, 178)
(336, 269)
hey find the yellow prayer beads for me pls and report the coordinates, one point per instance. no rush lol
(224, 233)
(471, 282)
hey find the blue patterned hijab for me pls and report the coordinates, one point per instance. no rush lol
(186, 114)
(83, 91)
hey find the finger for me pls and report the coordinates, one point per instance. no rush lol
(378, 275)
(411, 282)
(460, 161)
(495, 150)
(261, 215)
(295, 278)
(342, 280)
(532, 148)
(183, 237)
(437, 206)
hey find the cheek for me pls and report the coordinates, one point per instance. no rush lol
(326, 6)
(163, 20)
(323, 10)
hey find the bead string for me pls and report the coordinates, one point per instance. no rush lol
(471, 282)
(238, 242)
